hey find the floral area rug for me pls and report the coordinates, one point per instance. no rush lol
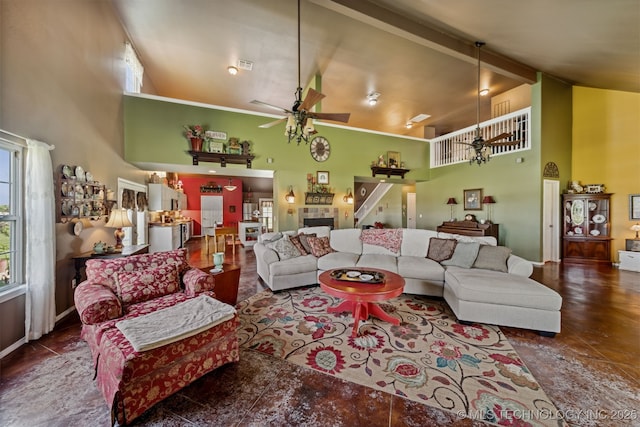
(429, 358)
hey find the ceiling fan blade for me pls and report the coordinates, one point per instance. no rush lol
(498, 138)
(275, 107)
(336, 117)
(312, 98)
(273, 123)
(505, 144)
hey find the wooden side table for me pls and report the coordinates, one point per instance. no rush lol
(80, 260)
(227, 282)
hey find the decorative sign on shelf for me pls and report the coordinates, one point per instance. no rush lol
(211, 187)
(216, 135)
(318, 198)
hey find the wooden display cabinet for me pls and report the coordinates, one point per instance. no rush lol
(586, 229)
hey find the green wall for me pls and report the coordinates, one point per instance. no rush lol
(154, 134)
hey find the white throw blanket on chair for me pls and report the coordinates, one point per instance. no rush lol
(174, 323)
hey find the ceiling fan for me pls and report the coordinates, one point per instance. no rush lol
(299, 119)
(482, 148)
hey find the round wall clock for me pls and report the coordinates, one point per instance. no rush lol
(320, 149)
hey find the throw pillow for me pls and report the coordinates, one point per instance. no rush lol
(284, 248)
(296, 242)
(304, 241)
(464, 255)
(441, 249)
(492, 258)
(142, 285)
(271, 238)
(319, 246)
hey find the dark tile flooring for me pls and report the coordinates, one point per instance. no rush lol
(590, 370)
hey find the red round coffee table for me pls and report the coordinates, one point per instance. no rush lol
(360, 298)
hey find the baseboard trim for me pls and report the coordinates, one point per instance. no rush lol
(13, 347)
(65, 313)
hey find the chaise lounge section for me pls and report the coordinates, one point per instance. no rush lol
(118, 295)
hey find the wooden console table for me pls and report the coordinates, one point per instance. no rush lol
(469, 228)
(80, 260)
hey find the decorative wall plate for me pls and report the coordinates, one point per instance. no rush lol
(89, 176)
(80, 173)
(577, 212)
(599, 219)
(592, 206)
(66, 171)
(595, 232)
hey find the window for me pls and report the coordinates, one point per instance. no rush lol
(11, 239)
(266, 213)
(135, 70)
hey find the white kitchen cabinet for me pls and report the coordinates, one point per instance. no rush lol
(248, 232)
(162, 198)
(164, 238)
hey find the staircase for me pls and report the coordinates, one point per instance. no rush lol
(372, 200)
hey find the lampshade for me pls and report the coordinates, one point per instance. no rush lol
(636, 228)
(230, 187)
(290, 197)
(118, 219)
(488, 199)
(452, 201)
(348, 197)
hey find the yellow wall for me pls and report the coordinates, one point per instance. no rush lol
(606, 150)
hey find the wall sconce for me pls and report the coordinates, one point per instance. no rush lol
(451, 202)
(489, 201)
(290, 198)
(348, 198)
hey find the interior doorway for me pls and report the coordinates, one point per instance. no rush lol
(551, 221)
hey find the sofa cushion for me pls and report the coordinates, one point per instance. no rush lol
(284, 248)
(346, 240)
(337, 260)
(320, 230)
(385, 262)
(320, 246)
(197, 281)
(415, 242)
(464, 255)
(301, 264)
(420, 268)
(298, 244)
(492, 258)
(304, 241)
(493, 287)
(142, 285)
(441, 249)
(270, 237)
(381, 241)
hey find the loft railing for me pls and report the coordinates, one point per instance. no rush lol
(447, 150)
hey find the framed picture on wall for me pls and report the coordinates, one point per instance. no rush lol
(323, 177)
(472, 199)
(634, 207)
(393, 159)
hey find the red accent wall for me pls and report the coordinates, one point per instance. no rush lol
(191, 186)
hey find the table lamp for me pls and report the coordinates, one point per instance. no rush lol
(636, 228)
(489, 201)
(118, 219)
(451, 202)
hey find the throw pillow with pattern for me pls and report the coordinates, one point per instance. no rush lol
(284, 248)
(319, 246)
(296, 242)
(304, 241)
(441, 249)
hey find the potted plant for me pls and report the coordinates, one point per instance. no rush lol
(195, 134)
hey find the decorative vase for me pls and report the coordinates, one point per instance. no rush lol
(218, 259)
(196, 144)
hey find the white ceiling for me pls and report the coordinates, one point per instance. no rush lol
(419, 54)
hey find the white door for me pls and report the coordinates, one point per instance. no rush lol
(210, 211)
(411, 210)
(551, 221)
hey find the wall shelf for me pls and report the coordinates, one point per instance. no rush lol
(377, 170)
(222, 158)
(318, 198)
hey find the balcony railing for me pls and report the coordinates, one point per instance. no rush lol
(450, 149)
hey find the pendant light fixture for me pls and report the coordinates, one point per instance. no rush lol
(230, 186)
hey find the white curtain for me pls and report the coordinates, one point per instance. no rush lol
(40, 240)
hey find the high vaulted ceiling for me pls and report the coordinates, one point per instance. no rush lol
(418, 54)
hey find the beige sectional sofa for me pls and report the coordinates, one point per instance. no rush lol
(486, 295)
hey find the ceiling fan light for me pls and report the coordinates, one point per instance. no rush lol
(291, 124)
(308, 127)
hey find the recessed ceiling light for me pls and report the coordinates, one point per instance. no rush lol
(484, 92)
(409, 125)
(232, 70)
(372, 98)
